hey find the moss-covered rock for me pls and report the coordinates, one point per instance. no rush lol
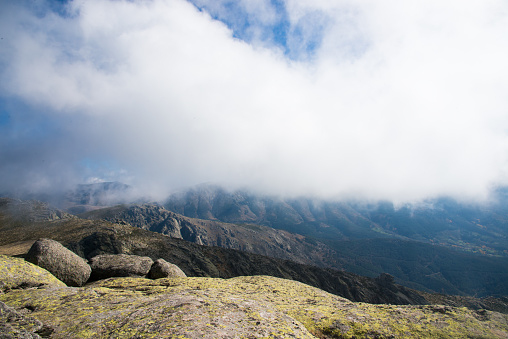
(242, 307)
(16, 273)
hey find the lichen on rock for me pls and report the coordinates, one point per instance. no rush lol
(242, 307)
(16, 273)
(14, 325)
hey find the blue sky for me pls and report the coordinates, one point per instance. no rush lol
(335, 98)
(298, 41)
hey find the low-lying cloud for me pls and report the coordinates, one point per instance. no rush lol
(378, 100)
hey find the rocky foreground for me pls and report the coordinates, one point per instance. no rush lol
(34, 304)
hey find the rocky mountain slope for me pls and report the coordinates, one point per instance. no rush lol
(245, 237)
(242, 307)
(89, 238)
(31, 210)
(304, 216)
(414, 264)
(442, 246)
(472, 227)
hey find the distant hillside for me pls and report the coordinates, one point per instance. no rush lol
(245, 237)
(477, 228)
(376, 238)
(88, 196)
(426, 267)
(303, 216)
(31, 211)
(92, 237)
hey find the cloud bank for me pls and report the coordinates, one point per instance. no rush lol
(330, 98)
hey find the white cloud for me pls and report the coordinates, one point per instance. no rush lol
(399, 101)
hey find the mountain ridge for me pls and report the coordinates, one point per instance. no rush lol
(414, 264)
(245, 237)
(89, 238)
(367, 236)
(479, 228)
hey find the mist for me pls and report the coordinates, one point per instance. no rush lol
(356, 99)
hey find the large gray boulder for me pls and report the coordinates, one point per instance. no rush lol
(119, 265)
(59, 261)
(163, 269)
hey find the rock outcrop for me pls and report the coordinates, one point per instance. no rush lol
(242, 307)
(16, 273)
(119, 265)
(60, 261)
(162, 269)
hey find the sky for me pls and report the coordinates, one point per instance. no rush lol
(330, 98)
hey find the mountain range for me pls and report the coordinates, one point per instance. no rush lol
(476, 228)
(232, 291)
(440, 245)
(89, 238)
(245, 237)
(422, 266)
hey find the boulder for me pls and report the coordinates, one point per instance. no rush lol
(119, 265)
(59, 261)
(16, 273)
(163, 269)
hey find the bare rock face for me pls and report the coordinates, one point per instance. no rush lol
(119, 265)
(162, 269)
(59, 261)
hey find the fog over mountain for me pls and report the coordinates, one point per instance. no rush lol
(378, 100)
